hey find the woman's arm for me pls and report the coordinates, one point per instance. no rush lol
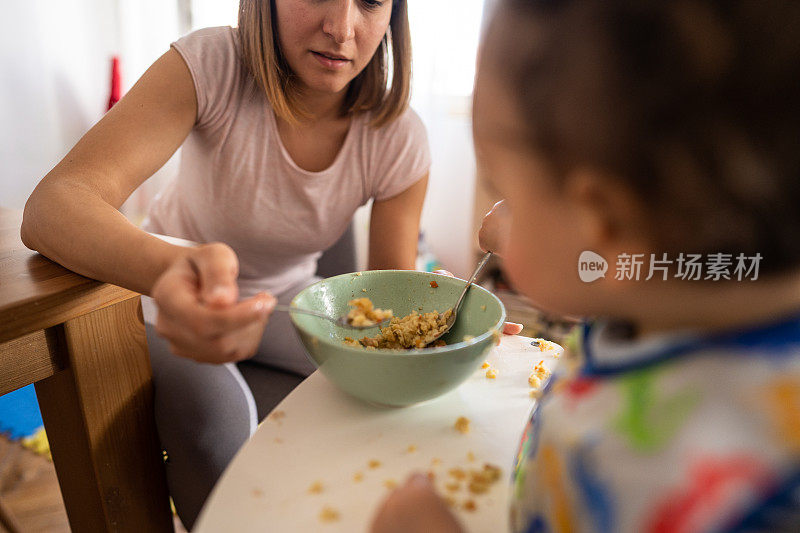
(72, 216)
(394, 229)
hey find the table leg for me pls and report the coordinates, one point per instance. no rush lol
(98, 414)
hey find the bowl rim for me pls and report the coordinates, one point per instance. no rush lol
(416, 352)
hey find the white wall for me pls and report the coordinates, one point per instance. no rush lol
(55, 81)
(55, 63)
(445, 40)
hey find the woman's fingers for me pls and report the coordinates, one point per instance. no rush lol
(217, 269)
(226, 346)
(207, 322)
(194, 320)
(198, 312)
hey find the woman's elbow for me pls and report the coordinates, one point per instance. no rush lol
(30, 223)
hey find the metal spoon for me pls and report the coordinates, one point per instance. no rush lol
(341, 321)
(452, 319)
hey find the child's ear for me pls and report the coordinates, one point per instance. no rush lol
(609, 215)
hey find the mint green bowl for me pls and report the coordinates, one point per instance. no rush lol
(394, 377)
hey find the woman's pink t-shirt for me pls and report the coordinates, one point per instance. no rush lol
(237, 183)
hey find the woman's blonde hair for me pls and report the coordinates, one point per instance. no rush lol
(262, 56)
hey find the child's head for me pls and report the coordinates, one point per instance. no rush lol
(288, 47)
(640, 126)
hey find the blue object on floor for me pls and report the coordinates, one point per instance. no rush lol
(19, 413)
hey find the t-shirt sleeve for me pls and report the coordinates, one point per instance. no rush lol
(213, 61)
(401, 156)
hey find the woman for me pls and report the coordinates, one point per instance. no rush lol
(287, 126)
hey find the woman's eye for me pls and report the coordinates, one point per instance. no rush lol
(373, 4)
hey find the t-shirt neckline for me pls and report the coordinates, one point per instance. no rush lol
(604, 355)
(354, 122)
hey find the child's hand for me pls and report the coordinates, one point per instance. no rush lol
(495, 229)
(198, 312)
(415, 508)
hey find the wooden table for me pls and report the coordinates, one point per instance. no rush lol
(320, 434)
(83, 344)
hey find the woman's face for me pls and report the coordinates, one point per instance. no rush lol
(327, 43)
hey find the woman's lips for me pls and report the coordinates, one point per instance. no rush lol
(332, 63)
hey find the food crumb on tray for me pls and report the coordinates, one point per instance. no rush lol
(316, 488)
(457, 473)
(462, 424)
(543, 345)
(276, 416)
(329, 514)
(541, 371)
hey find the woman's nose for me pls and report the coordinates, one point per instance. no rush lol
(339, 23)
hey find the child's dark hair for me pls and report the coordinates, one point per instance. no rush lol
(694, 104)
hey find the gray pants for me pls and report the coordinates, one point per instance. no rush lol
(205, 413)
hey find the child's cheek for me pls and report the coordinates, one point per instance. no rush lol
(539, 259)
(528, 273)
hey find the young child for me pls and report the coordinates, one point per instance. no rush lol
(288, 123)
(666, 129)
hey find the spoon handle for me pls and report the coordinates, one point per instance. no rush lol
(480, 266)
(290, 309)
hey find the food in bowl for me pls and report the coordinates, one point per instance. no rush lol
(413, 331)
(364, 313)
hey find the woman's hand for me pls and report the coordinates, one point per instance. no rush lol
(198, 312)
(495, 229)
(415, 508)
